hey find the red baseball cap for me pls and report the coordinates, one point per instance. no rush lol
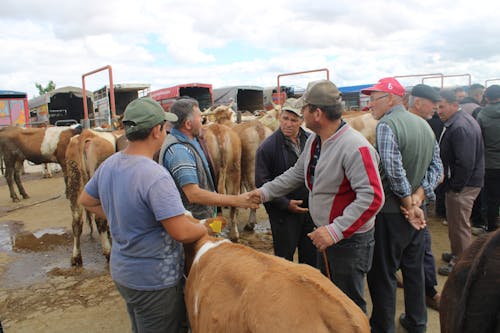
(388, 84)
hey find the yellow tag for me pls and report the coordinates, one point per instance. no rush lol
(216, 226)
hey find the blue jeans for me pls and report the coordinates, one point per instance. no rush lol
(349, 260)
(156, 310)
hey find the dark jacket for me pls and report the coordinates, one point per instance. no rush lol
(469, 105)
(489, 121)
(274, 157)
(462, 152)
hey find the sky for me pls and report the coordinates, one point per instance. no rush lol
(168, 42)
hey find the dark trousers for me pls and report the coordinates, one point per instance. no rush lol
(492, 179)
(429, 266)
(429, 262)
(349, 261)
(290, 233)
(440, 198)
(155, 311)
(478, 217)
(397, 245)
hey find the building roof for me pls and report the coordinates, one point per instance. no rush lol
(12, 93)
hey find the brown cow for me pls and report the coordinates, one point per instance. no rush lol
(38, 145)
(224, 147)
(362, 122)
(470, 301)
(252, 134)
(233, 288)
(84, 155)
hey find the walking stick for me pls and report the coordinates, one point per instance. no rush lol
(326, 265)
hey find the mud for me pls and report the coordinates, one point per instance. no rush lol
(41, 292)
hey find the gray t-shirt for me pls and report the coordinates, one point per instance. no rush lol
(136, 193)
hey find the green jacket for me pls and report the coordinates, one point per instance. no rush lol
(489, 121)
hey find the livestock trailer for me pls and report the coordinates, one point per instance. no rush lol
(245, 98)
(124, 93)
(59, 105)
(199, 91)
(14, 108)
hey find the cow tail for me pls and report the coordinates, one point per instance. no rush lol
(485, 251)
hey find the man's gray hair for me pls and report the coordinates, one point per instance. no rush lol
(183, 109)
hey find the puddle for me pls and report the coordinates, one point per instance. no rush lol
(45, 253)
(7, 231)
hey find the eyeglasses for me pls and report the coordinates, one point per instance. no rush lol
(376, 99)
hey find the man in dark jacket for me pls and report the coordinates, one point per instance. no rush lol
(489, 122)
(462, 153)
(288, 215)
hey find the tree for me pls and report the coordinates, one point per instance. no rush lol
(41, 90)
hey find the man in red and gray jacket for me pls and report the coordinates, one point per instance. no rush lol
(340, 169)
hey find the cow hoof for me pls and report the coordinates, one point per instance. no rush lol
(249, 227)
(15, 200)
(25, 196)
(234, 239)
(77, 261)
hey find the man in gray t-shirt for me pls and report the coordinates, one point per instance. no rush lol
(146, 220)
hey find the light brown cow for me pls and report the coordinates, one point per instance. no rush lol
(224, 147)
(252, 134)
(84, 155)
(38, 145)
(233, 288)
(362, 122)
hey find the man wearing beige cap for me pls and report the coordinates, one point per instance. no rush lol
(147, 222)
(407, 147)
(340, 169)
(288, 214)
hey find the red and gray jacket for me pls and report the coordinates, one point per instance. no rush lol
(346, 192)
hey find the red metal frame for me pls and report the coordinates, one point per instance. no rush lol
(298, 73)
(111, 92)
(489, 80)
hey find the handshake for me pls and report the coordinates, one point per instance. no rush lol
(251, 199)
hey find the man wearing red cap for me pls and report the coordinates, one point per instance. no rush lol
(407, 147)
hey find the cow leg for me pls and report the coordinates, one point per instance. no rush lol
(234, 234)
(17, 178)
(9, 177)
(46, 170)
(252, 220)
(102, 227)
(76, 257)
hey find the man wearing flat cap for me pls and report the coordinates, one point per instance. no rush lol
(340, 169)
(422, 102)
(289, 214)
(407, 149)
(147, 222)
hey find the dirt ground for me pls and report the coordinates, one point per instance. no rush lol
(41, 292)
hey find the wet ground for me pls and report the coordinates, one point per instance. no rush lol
(41, 292)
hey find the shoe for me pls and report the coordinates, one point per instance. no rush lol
(446, 269)
(477, 231)
(404, 322)
(433, 302)
(447, 256)
(444, 222)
